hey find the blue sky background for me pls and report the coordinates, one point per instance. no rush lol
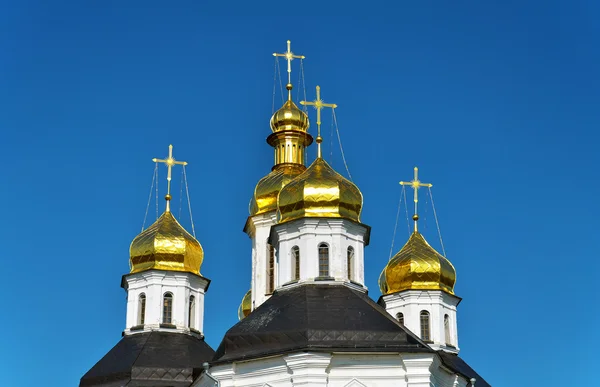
(497, 103)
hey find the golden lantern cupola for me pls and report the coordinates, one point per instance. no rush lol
(319, 191)
(166, 245)
(417, 266)
(289, 139)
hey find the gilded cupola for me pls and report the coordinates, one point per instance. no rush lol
(166, 245)
(319, 192)
(246, 306)
(417, 266)
(289, 117)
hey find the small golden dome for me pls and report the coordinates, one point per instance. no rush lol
(246, 305)
(417, 266)
(166, 245)
(267, 188)
(319, 192)
(289, 117)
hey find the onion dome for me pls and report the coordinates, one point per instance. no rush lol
(246, 305)
(166, 245)
(319, 192)
(267, 188)
(289, 116)
(417, 266)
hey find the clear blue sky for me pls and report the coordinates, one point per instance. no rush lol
(497, 104)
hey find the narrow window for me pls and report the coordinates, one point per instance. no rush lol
(323, 260)
(350, 263)
(447, 329)
(425, 331)
(167, 308)
(141, 309)
(192, 312)
(400, 318)
(270, 269)
(296, 262)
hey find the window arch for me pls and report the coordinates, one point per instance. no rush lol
(425, 329)
(167, 308)
(447, 329)
(400, 318)
(323, 260)
(295, 263)
(141, 309)
(192, 312)
(350, 259)
(270, 268)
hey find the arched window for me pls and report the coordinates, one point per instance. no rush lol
(447, 329)
(141, 309)
(167, 308)
(270, 268)
(192, 312)
(296, 262)
(400, 318)
(323, 260)
(350, 263)
(425, 331)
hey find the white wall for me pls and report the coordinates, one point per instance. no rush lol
(154, 284)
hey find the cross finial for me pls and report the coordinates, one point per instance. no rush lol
(170, 162)
(416, 184)
(319, 104)
(289, 56)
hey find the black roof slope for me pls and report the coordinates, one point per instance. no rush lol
(150, 359)
(458, 365)
(316, 317)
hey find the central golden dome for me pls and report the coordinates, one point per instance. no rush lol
(246, 306)
(417, 266)
(166, 245)
(289, 116)
(319, 192)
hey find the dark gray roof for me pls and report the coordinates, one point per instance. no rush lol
(316, 317)
(150, 359)
(458, 365)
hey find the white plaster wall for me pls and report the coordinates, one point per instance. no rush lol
(336, 370)
(308, 234)
(437, 303)
(260, 226)
(154, 284)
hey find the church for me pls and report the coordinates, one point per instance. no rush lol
(308, 319)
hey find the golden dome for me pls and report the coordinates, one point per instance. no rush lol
(417, 266)
(267, 188)
(166, 246)
(319, 192)
(289, 117)
(246, 305)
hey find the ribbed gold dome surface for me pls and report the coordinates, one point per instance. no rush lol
(267, 188)
(246, 305)
(417, 266)
(289, 117)
(166, 246)
(319, 192)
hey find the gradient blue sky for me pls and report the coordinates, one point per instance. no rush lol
(497, 104)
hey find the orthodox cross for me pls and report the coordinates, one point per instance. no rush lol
(319, 104)
(415, 185)
(289, 56)
(170, 162)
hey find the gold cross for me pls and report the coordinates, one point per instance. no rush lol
(416, 184)
(289, 56)
(170, 162)
(319, 104)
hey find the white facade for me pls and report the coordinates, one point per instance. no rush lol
(146, 292)
(441, 308)
(335, 370)
(258, 228)
(305, 235)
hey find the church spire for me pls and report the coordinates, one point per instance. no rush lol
(319, 104)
